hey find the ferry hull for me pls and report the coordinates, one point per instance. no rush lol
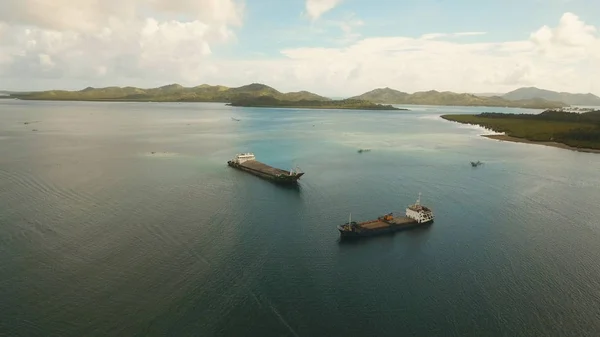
(267, 172)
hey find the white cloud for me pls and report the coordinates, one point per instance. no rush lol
(570, 32)
(348, 25)
(565, 58)
(159, 40)
(432, 36)
(316, 8)
(46, 61)
(90, 15)
(469, 33)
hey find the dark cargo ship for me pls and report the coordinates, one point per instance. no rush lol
(247, 162)
(416, 215)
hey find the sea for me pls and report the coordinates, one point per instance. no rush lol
(123, 219)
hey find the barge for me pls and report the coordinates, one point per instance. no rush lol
(416, 215)
(247, 162)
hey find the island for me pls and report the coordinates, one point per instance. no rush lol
(448, 98)
(577, 129)
(271, 102)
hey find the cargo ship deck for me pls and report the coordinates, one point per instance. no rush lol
(258, 166)
(247, 162)
(395, 221)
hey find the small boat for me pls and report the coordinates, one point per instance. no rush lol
(363, 150)
(476, 163)
(235, 119)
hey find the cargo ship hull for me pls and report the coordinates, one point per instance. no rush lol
(379, 227)
(267, 172)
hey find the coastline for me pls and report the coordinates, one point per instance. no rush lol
(552, 144)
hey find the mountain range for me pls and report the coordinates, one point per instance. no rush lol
(571, 99)
(523, 97)
(172, 93)
(433, 97)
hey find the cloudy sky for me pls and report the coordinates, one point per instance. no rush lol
(332, 47)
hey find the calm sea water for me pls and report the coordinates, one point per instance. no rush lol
(100, 237)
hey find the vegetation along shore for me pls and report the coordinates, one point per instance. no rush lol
(270, 102)
(578, 131)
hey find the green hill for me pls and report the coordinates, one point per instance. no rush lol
(303, 95)
(172, 93)
(433, 97)
(573, 99)
(271, 102)
(383, 95)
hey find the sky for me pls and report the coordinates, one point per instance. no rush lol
(335, 48)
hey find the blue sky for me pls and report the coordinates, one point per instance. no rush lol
(332, 47)
(272, 25)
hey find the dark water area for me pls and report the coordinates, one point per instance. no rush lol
(101, 237)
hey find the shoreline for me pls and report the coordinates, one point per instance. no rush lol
(551, 144)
